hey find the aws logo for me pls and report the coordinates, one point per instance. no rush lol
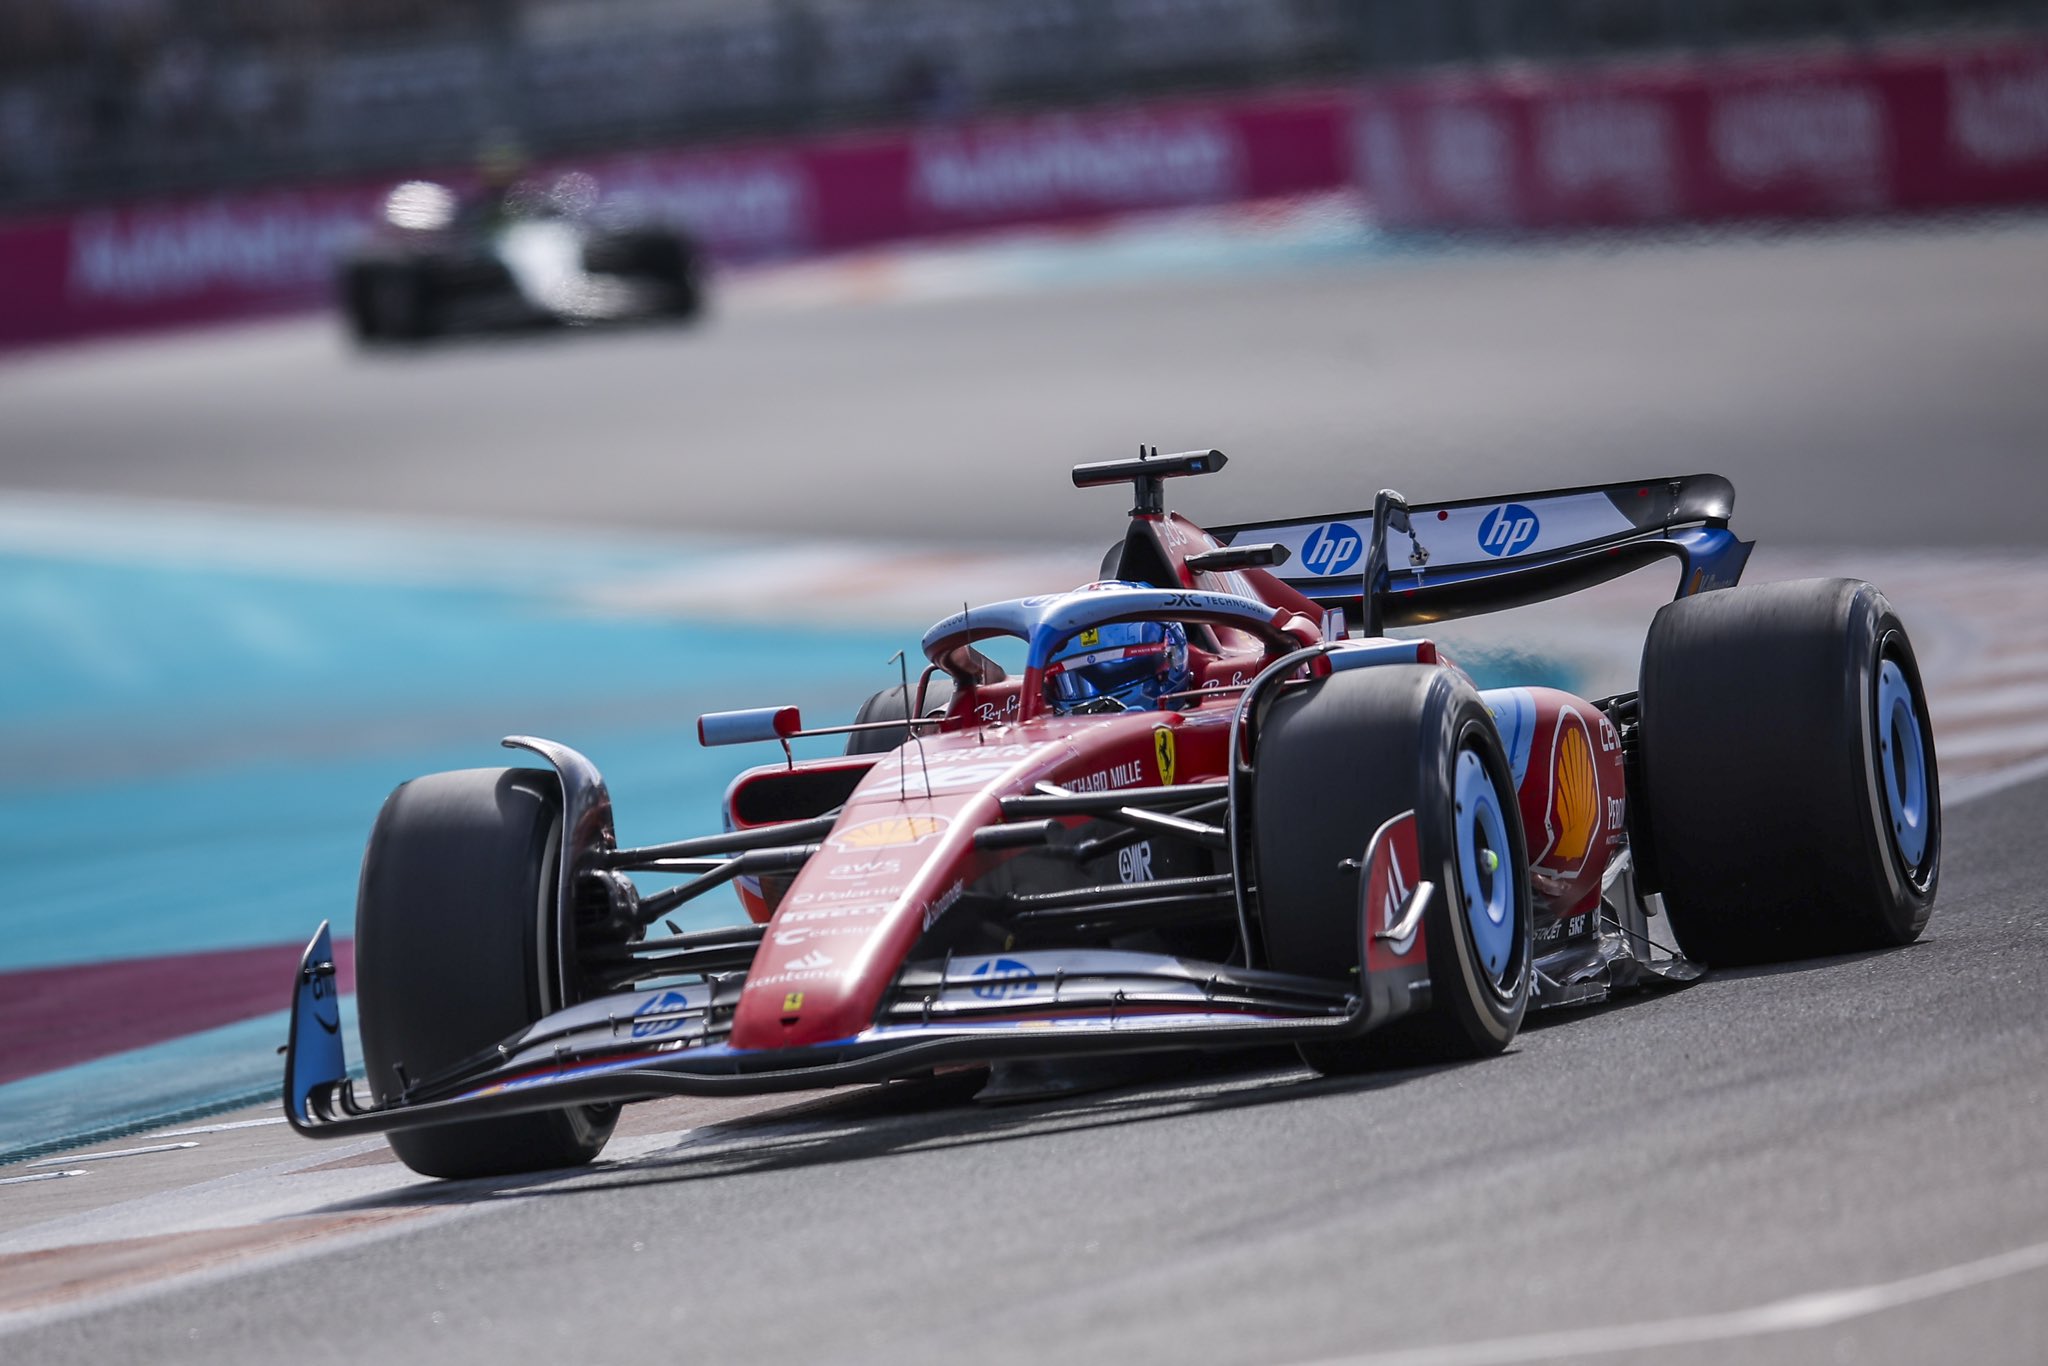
(1508, 530)
(1331, 548)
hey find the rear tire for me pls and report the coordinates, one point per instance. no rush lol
(1336, 760)
(1792, 800)
(456, 928)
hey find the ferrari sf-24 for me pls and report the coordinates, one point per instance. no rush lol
(1218, 805)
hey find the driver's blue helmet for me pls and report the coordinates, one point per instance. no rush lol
(1131, 663)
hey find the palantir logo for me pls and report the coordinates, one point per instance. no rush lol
(1508, 530)
(1331, 548)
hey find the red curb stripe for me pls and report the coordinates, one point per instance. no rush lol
(52, 1018)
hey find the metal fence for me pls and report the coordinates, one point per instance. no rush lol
(102, 99)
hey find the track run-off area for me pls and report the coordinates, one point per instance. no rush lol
(251, 579)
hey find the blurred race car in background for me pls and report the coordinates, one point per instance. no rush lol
(509, 255)
(1216, 805)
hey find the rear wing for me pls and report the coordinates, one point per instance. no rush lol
(1476, 555)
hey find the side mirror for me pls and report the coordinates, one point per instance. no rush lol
(748, 727)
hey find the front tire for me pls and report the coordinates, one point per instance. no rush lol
(1337, 759)
(456, 934)
(1789, 781)
(893, 704)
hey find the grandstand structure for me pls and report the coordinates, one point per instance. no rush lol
(114, 99)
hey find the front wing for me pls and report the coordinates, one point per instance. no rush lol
(985, 1008)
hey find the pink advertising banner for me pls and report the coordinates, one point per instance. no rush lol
(1714, 140)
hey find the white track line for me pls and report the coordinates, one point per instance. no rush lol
(1800, 1313)
(119, 1152)
(222, 1128)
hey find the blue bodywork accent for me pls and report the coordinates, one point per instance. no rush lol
(1046, 622)
(1366, 655)
(1514, 716)
(741, 727)
(1716, 554)
(313, 1053)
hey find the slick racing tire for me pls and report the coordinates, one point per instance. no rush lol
(390, 301)
(1786, 757)
(1337, 759)
(892, 704)
(456, 934)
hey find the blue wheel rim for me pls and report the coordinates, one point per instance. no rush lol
(1902, 757)
(1486, 874)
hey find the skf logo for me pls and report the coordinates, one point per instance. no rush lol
(792, 1002)
(1574, 798)
(1508, 530)
(1162, 745)
(889, 831)
(1331, 548)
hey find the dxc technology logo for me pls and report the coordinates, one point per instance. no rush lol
(1331, 548)
(1508, 529)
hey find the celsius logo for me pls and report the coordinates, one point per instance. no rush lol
(1331, 548)
(1507, 529)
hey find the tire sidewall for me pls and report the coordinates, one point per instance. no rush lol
(459, 941)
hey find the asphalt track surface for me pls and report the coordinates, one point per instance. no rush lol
(1872, 389)
(1830, 1161)
(1765, 1167)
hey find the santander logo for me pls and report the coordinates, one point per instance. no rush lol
(1047, 162)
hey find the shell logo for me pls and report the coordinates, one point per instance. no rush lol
(889, 832)
(1574, 793)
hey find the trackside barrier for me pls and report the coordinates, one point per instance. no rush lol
(1810, 136)
(1815, 136)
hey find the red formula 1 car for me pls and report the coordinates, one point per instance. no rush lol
(1203, 814)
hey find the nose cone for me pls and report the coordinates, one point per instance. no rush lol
(851, 916)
